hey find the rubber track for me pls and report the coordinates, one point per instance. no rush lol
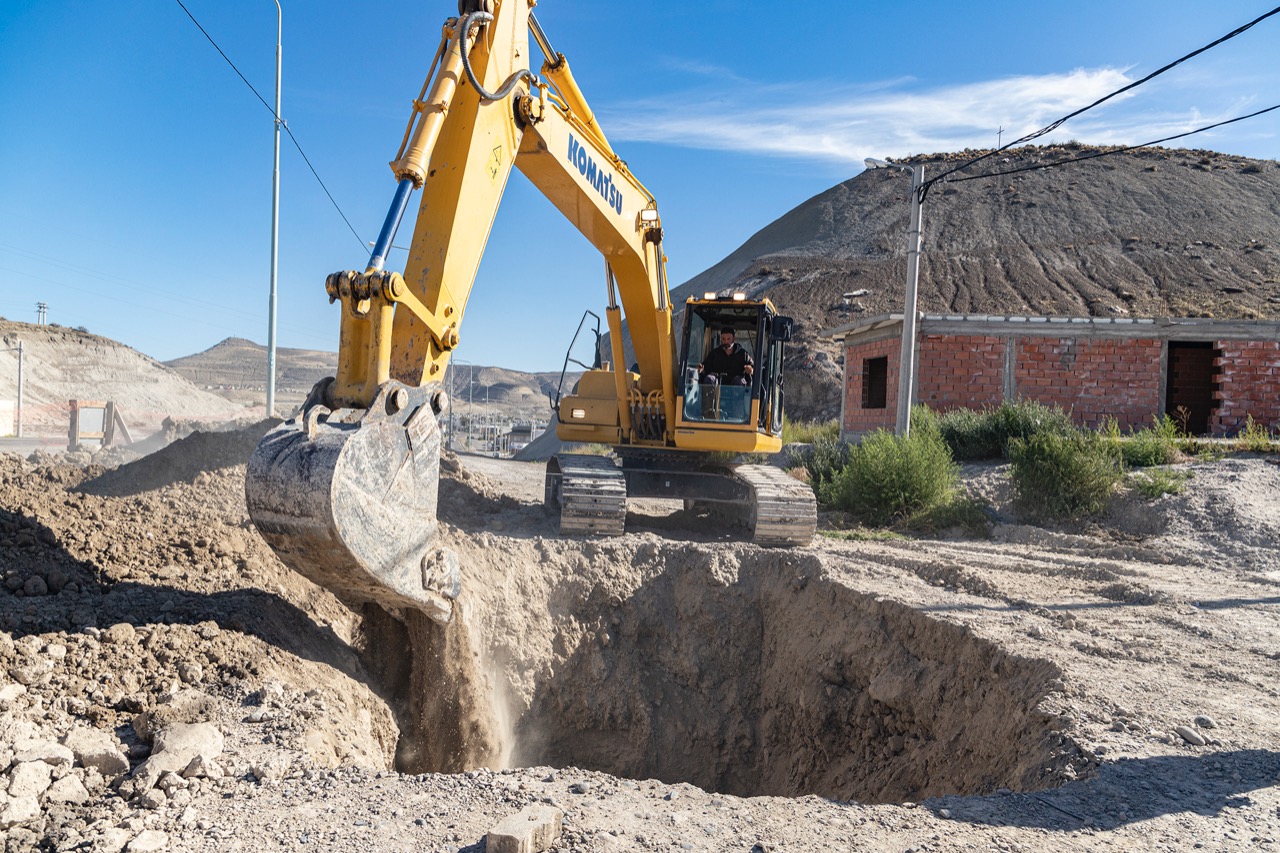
(593, 496)
(786, 512)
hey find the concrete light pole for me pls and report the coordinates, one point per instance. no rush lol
(18, 426)
(907, 359)
(471, 371)
(18, 414)
(275, 232)
(453, 363)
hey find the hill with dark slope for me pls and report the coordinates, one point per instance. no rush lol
(1148, 233)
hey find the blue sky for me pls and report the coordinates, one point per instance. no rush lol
(135, 167)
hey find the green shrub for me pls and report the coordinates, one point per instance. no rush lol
(1155, 482)
(1063, 475)
(862, 534)
(924, 418)
(808, 432)
(1026, 418)
(592, 449)
(1254, 437)
(985, 434)
(961, 510)
(825, 459)
(888, 478)
(971, 434)
(1159, 444)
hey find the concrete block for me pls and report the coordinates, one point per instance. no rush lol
(531, 830)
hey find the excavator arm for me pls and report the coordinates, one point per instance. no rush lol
(459, 149)
(346, 491)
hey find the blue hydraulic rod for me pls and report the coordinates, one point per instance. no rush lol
(390, 225)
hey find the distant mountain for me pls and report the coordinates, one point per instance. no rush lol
(240, 363)
(1147, 233)
(235, 366)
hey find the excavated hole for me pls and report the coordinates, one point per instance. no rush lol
(751, 673)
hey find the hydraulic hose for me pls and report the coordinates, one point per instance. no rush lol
(509, 83)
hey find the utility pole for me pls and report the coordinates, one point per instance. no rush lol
(42, 309)
(907, 358)
(275, 233)
(18, 425)
(18, 429)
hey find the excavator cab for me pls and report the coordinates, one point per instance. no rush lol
(719, 396)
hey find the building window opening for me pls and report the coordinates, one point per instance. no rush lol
(875, 382)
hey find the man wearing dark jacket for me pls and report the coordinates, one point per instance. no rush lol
(729, 363)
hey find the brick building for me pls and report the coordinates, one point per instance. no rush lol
(1210, 373)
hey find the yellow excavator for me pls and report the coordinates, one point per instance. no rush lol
(346, 492)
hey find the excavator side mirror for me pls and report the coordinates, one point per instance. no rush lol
(780, 329)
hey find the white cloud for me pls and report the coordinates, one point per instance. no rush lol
(842, 125)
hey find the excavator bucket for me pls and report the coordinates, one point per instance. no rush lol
(347, 498)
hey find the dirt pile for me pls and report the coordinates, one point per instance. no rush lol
(183, 461)
(129, 614)
(1041, 690)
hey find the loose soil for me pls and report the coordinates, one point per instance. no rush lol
(671, 689)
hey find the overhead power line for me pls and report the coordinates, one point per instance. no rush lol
(1055, 125)
(283, 123)
(1110, 151)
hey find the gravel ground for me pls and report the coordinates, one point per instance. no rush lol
(166, 684)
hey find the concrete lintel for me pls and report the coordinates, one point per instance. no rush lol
(1177, 329)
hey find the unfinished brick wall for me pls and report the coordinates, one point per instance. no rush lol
(961, 372)
(1248, 374)
(856, 418)
(1093, 378)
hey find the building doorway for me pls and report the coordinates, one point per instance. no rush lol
(1190, 384)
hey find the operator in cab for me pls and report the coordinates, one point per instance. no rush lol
(727, 364)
